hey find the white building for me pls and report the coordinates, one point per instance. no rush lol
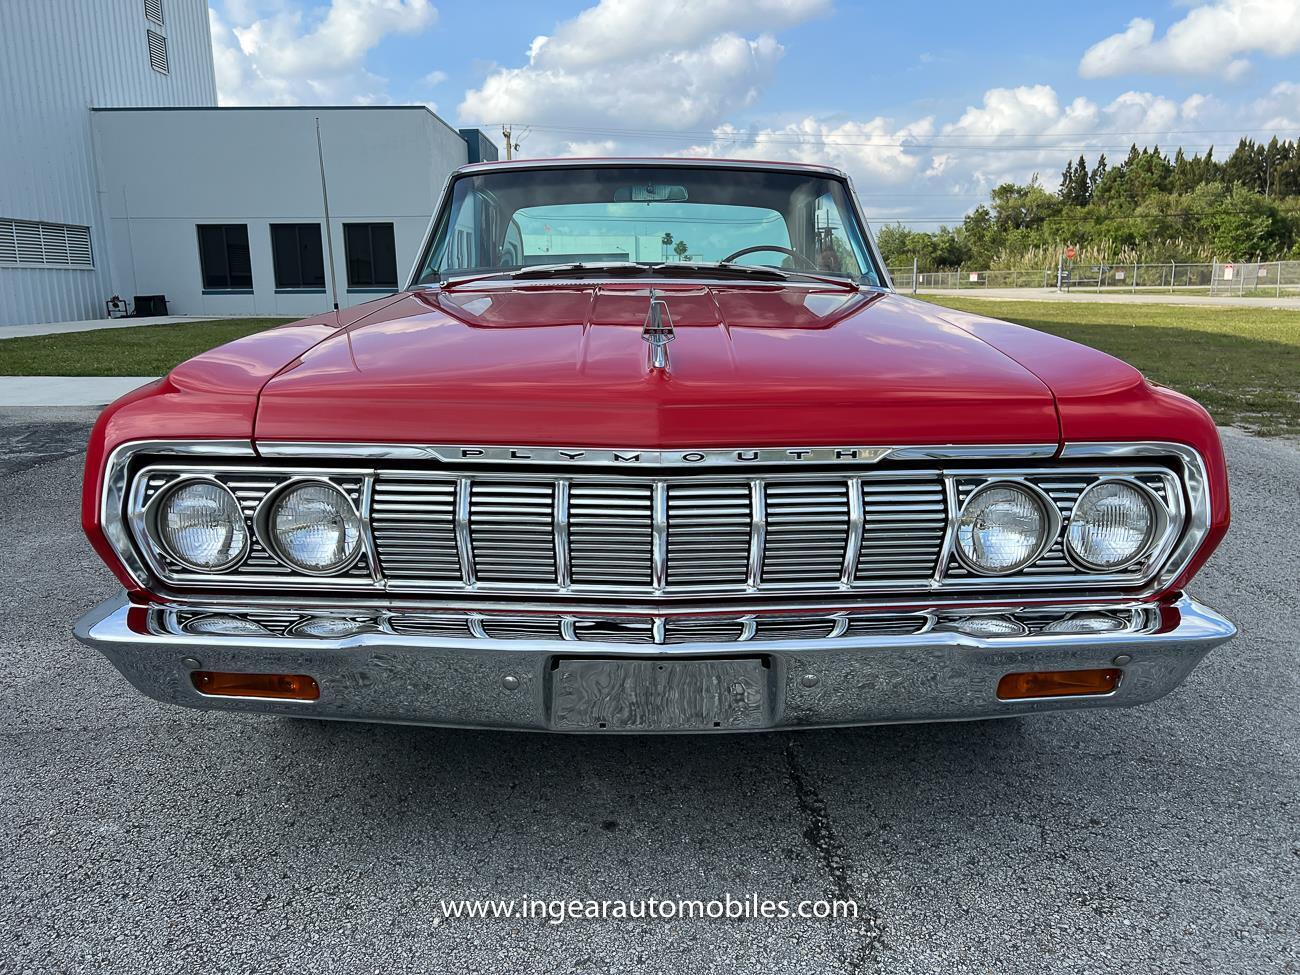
(120, 176)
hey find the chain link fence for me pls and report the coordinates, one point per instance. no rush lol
(1266, 279)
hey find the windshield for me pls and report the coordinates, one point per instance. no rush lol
(514, 219)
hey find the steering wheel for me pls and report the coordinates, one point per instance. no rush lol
(809, 265)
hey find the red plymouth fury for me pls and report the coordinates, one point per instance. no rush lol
(653, 445)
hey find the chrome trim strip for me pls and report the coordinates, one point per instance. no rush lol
(560, 522)
(367, 530)
(757, 532)
(857, 525)
(464, 542)
(637, 457)
(659, 537)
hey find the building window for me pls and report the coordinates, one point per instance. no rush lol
(295, 249)
(153, 10)
(224, 257)
(35, 244)
(157, 51)
(371, 256)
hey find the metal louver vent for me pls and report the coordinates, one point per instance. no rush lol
(708, 534)
(154, 11)
(511, 526)
(45, 244)
(807, 530)
(157, 51)
(413, 520)
(610, 529)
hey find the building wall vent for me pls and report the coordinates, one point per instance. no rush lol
(157, 51)
(27, 243)
(153, 10)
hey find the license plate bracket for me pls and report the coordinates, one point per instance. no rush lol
(660, 695)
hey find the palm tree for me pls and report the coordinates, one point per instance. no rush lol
(667, 241)
(680, 250)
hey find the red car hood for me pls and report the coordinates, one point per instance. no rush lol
(566, 365)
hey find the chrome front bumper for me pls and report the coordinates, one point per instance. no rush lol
(938, 674)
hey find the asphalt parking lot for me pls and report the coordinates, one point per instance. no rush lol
(140, 838)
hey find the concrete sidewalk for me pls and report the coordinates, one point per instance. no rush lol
(90, 325)
(23, 391)
(1114, 298)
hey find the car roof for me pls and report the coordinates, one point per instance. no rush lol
(704, 162)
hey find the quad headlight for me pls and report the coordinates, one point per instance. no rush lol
(201, 526)
(313, 527)
(1003, 527)
(1114, 523)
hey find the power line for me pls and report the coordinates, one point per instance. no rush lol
(933, 143)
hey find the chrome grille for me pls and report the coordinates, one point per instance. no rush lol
(668, 533)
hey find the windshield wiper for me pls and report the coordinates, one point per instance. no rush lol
(552, 271)
(758, 272)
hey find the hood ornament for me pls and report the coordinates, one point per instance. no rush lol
(658, 331)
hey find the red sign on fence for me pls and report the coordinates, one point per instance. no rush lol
(1070, 252)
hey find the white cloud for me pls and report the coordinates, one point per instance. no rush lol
(925, 168)
(434, 78)
(675, 64)
(1210, 39)
(874, 149)
(270, 55)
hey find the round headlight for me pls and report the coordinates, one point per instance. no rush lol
(1003, 527)
(314, 528)
(201, 526)
(1112, 526)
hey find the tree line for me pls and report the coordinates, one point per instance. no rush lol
(1148, 209)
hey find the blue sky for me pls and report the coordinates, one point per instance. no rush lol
(928, 106)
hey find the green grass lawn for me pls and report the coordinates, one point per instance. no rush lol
(1242, 364)
(146, 350)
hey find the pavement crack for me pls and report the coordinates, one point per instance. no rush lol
(833, 856)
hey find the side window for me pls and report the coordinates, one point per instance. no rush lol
(224, 258)
(371, 256)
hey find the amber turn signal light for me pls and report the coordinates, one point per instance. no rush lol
(289, 687)
(1058, 683)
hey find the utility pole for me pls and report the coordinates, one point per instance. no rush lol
(508, 136)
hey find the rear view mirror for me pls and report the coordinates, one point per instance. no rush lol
(650, 193)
